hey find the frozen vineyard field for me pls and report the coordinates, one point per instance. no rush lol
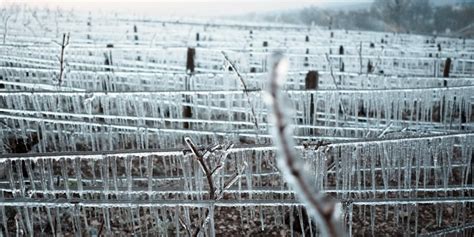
(94, 144)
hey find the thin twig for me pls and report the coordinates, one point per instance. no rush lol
(255, 121)
(319, 208)
(101, 228)
(183, 224)
(64, 44)
(199, 157)
(360, 58)
(5, 26)
(385, 130)
(335, 83)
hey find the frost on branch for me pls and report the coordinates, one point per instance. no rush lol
(321, 207)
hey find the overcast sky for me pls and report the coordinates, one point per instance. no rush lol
(180, 8)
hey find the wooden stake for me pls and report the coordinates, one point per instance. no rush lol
(447, 67)
(312, 83)
(190, 60)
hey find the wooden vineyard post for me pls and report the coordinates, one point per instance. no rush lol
(252, 68)
(135, 34)
(370, 67)
(190, 60)
(187, 113)
(447, 67)
(311, 83)
(264, 61)
(341, 63)
(135, 38)
(190, 64)
(197, 39)
(89, 23)
(108, 58)
(306, 58)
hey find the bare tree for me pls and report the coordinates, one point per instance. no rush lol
(320, 207)
(405, 15)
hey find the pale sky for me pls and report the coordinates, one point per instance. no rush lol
(180, 8)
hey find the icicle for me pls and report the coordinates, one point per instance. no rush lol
(291, 212)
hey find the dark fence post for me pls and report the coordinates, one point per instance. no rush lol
(306, 58)
(447, 67)
(312, 80)
(370, 67)
(190, 60)
(187, 113)
(135, 38)
(341, 63)
(312, 83)
(135, 33)
(108, 58)
(89, 20)
(190, 65)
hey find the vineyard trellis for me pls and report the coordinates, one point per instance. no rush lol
(106, 151)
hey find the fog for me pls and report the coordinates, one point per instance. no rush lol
(181, 8)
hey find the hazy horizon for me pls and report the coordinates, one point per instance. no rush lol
(181, 8)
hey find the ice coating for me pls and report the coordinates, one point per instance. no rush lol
(107, 145)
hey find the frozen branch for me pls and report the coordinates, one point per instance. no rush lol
(335, 83)
(201, 156)
(246, 91)
(184, 225)
(63, 45)
(360, 58)
(319, 207)
(6, 19)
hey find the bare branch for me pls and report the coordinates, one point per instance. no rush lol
(183, 224)
(201, 158)
(360, 58)
(64, 45)
(320, 208)
(245, 88)
(192, 146)
(235, 177)
(5, 27)
(335, 83)
(385, 130)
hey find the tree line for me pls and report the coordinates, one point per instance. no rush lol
(403, 16)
